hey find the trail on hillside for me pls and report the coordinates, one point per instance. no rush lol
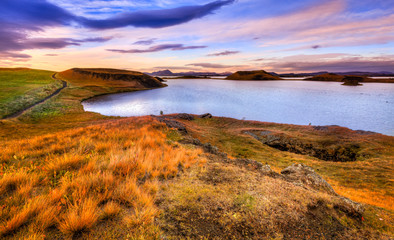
(17, 114)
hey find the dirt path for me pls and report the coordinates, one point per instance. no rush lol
(17, 114)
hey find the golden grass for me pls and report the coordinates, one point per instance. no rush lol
(379, 199)
(73, 180)
(110, 210)
(81, 216)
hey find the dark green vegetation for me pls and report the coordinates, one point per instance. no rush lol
(252, 75)
(66, 173)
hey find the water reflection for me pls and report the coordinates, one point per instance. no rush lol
(368, 107)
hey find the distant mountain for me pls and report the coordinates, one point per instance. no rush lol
(191, 73)
(356, 73)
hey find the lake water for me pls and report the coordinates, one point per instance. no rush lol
(369, 107)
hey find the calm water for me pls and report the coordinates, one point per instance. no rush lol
(368, 107)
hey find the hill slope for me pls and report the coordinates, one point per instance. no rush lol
(332, 77)
(113, 77)
(252, 75)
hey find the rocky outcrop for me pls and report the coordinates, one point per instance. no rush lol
(184, 116)
(206, 115)
(304, 175)
(252, 75)
(337, 152)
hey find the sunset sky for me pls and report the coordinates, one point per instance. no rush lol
(199, 35)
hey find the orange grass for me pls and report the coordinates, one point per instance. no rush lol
(73, 180)
(379, 199)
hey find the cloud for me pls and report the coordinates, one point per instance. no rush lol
(213, 65)
(326, 23)
(51, 55)
(12, 41)
(14, 55)
(19, 18)
(332, 63)
(225, 53)
(338, 66)
(155, 18)
(94, 39)
(145, 42)
(158, 48)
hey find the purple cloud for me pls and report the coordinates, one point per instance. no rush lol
(155, 18)
(14, 55)
(338, 65)
(225, 53)
(145, 42)
(212, 65)
(157, 48)
(94, 39)
(19, 17)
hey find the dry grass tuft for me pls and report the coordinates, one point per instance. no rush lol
(141, 217)
(80, 217)
(110, 210)
(11, 181)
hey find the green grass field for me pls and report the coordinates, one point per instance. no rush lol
(20, 88)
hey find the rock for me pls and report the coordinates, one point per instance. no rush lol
(185, 116)
(174, 124)
(206, 115)
(304, 175)
(352, 209)
(321, 128)
(210, 148)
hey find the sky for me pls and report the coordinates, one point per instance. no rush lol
(199, 35)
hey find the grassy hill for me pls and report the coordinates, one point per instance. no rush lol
(109, 77)
(252, 75)
(70, 174)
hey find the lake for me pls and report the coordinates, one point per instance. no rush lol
(369, 107)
